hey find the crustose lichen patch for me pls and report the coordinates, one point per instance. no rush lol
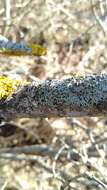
(7, 87)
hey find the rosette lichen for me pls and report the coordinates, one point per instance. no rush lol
(7, 87)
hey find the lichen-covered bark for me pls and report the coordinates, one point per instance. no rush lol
(74, 97)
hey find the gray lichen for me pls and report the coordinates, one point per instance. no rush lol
(86, 96)
(14, 46)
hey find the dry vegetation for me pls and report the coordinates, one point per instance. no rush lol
(54, 153)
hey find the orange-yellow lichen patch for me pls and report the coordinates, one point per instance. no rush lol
(7, 87)
(37, 49)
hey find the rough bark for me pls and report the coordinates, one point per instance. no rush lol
(84, 96)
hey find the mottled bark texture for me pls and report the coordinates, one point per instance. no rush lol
(84, 96)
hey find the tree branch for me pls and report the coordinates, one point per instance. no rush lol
(83, 96)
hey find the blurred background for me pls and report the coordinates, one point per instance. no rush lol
(54, 153)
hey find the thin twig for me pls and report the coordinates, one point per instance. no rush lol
(8, 12)
(42, 150)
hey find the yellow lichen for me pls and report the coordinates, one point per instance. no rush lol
(37, 50)
(79, 75)
(7, 86)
